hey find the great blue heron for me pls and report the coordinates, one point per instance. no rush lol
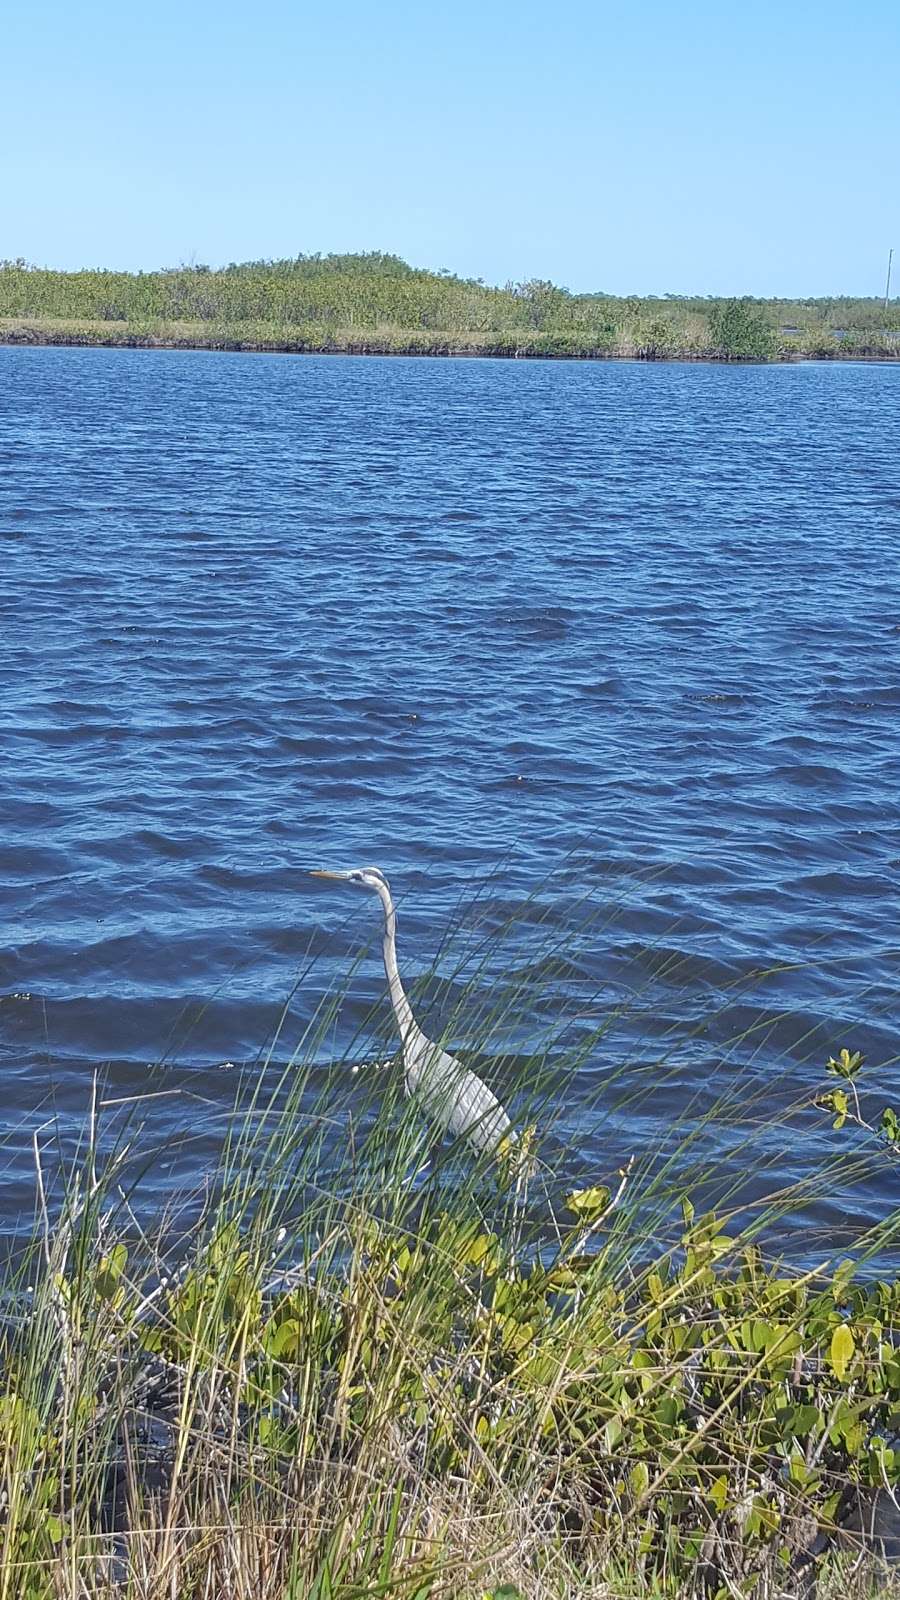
(449, 1094)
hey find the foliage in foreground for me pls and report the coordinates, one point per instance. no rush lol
(378, 303)
(447, 1390)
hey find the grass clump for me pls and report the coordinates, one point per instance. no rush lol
(352, 1375)
(435, 1396)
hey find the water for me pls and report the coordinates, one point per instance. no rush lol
(623, 630)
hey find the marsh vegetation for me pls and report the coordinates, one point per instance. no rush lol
(346, 1370)
(377, 304)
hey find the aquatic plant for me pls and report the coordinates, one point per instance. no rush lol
(341, 1374)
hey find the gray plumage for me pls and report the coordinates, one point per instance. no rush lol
(450, 1095)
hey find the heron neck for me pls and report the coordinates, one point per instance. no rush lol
(402, 1008)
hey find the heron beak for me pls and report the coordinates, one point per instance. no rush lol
(339, 876)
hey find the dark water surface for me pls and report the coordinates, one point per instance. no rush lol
(631, 631)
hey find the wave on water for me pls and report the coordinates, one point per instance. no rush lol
(596, 661)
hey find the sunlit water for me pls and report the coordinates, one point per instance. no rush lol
(519, 633)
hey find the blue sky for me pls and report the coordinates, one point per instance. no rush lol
(648, 149)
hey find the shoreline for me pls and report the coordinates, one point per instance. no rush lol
(391, 341)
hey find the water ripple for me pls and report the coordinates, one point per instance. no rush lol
(628, 633)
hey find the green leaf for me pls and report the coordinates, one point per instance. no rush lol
(890, 1125)
(718, 1493)
(854, 1438)
(828, 1510)
(842, 1350)
(110, 1271)
(612, 1433)
(798, 1471)
(838, 1103)
(266, 1428)
(760, 1334)
(804, 1418)
(588, 1204)
(655, 1287)
(283, 1342)
(845, 1065)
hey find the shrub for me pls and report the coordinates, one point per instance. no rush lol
(740, 331)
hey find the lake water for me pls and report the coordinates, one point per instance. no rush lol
(606, 653)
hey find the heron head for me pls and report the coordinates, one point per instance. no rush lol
(362, 877)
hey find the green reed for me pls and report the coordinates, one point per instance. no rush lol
(357, 1370)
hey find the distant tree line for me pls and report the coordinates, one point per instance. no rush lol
(346, 299)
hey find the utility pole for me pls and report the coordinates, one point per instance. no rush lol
(887, 287)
